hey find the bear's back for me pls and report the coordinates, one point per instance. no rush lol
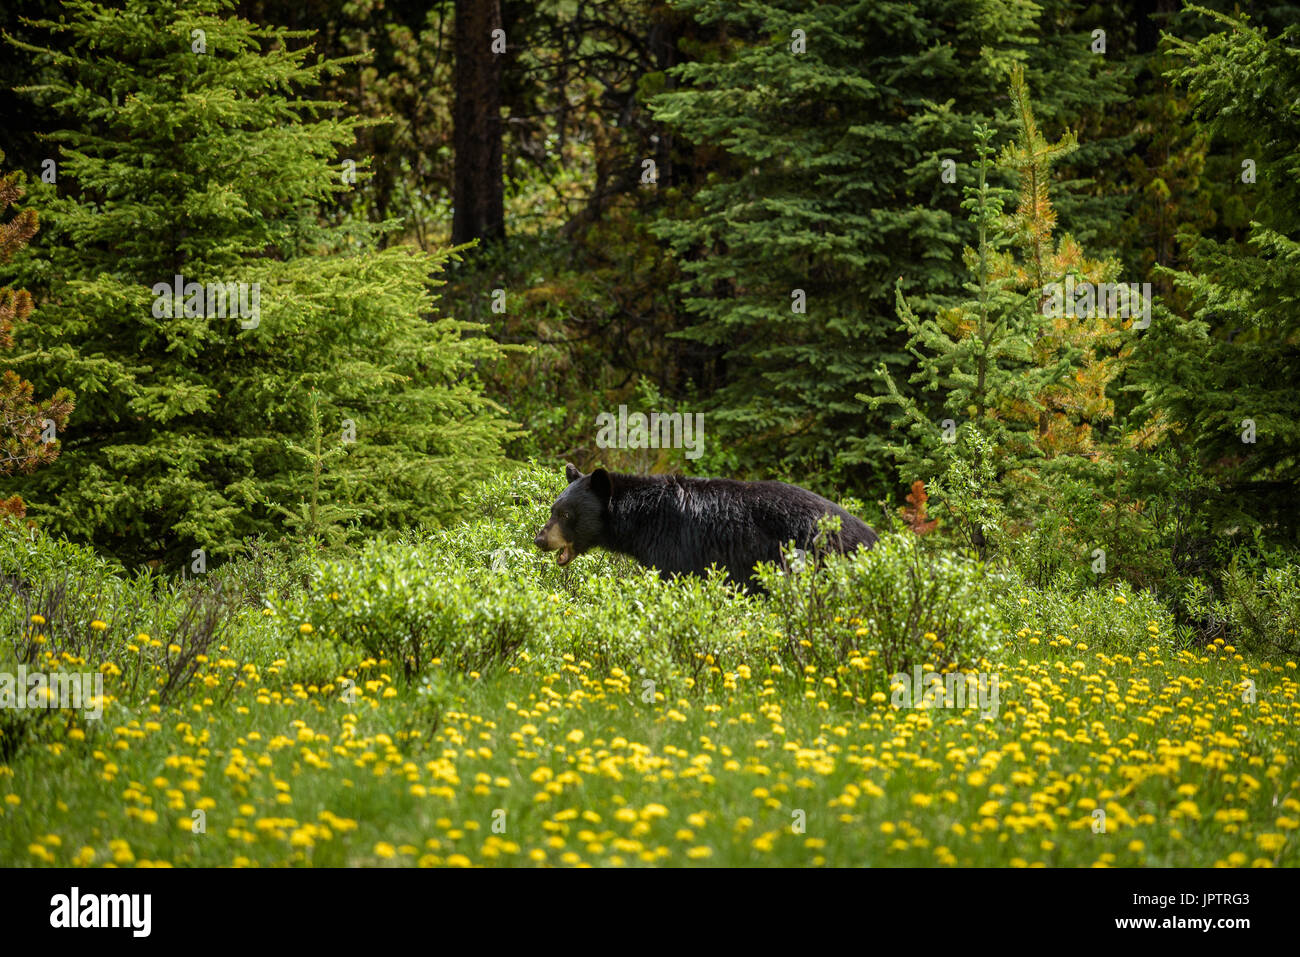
(737, 524)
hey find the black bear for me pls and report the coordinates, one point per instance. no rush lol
(684, 525)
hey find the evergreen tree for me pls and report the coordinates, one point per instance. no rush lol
(190, 151)
(320, 520)
(836, 121)
(28, 429)
(1220, 382)
(1087, 80)
(1013, 363)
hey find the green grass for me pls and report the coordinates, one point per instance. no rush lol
(573, 767)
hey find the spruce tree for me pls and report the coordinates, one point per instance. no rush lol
(833, 127)
(192, 148)
(1219, 382)
(1030, 380)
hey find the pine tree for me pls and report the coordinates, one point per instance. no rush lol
(28, 429)
(1221, 381)
(1082, 348)
(190, 151)
(1032, 381)
(320, 519)
(1087, 81)
(836, 121)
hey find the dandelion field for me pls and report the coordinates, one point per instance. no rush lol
(600, 717)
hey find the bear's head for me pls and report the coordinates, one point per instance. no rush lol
(578, 516)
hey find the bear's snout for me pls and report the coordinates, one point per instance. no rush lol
(550, 538)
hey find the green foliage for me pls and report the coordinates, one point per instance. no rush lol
(972, 358)
(474, 595)
(32, 557)
(68, 586)
(408, 605)
(62, 607)
(884, 611)
(832, 184)
(1113, 621)
(313, 661)
(316, 520)
(1258, 604)
(1020, 448)
(1219, 382)
(666, 637)
(592, 318)
(212, 165)
(264, 566)
(966, 494)
(1033, 384)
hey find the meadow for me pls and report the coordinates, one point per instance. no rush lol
(453, 698)
(305, 309)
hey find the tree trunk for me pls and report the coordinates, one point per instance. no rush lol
(479, 192)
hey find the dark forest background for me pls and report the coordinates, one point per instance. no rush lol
(738, 208)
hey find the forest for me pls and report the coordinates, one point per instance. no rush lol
(305, 307)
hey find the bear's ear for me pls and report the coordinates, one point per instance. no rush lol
(571, 473)
(601, 485)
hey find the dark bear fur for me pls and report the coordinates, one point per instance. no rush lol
(683, 525)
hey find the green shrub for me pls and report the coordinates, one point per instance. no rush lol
(871, 614)
(1259, 607)
(409, 603)
(664, 632)
(516, 498)
(265, 566)
(313, 660)
(61, 605)
(1113, 619)
(66, 589)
